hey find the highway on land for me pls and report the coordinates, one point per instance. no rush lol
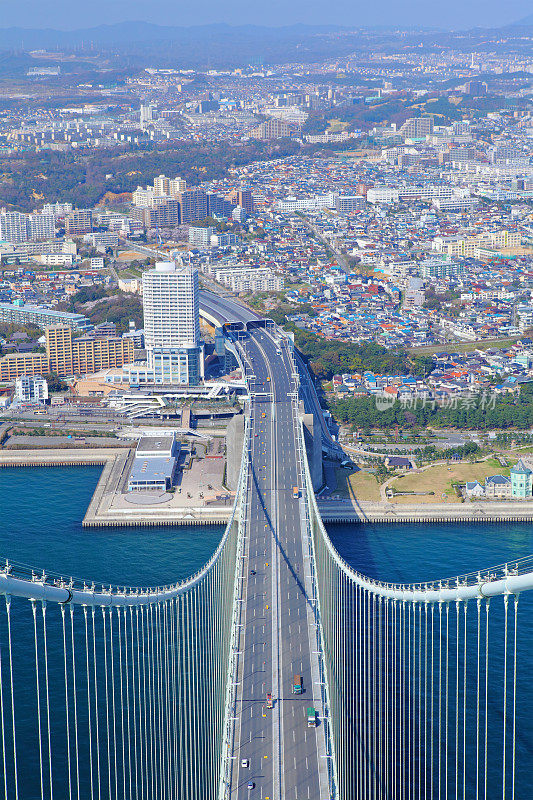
(274, 749)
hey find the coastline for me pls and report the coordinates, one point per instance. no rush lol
(115, 461)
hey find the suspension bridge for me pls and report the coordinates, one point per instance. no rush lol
(189, 690)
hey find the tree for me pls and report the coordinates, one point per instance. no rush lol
(55, 384)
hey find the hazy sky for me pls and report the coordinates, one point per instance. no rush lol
(69, 14)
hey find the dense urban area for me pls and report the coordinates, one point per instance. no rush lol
(266, 385)
(376, 203)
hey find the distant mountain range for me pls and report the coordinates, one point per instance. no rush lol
(524, 21)
(133, 32)
(222, 44)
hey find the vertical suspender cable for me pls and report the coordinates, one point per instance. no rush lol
(121, 687)
(446, 678)
(89, 716)
(167, 709)
(403, 713)
(96, 707)
(363, 692)
(407, 713)
(425, 700)
(514, 697)
(12, 689)
(385, 784)
(394, 695)
(380, 699)
(142, 754)
(47, 696)
(2, 726)
(145, 694)
(106, 679)
(478, 648)
(374, 696)
(359, 717)
(75, 702)
(504, 709)
(457, 615)
(153, 708)
(67, 714)
(175, 762)
(37, 684)
(464, 700)
(440, 697)
(134, 701)
(486, 693)
(160, 695)
(419, 699)
(431, 720)
(127, 673)
(113, 700)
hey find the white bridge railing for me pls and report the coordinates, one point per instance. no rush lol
(423, 679)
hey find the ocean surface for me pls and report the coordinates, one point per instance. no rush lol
(411, 553)
(40, 525)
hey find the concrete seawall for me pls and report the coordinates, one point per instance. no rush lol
(59, 458)
(116, 462)
(345, 512)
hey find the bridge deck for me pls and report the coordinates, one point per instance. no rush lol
(277, 638)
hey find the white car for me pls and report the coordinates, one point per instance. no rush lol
(245, 763)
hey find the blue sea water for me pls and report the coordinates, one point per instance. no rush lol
(40, 525)
(411, 553)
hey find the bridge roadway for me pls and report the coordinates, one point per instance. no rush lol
(226, 309)
(274, 748)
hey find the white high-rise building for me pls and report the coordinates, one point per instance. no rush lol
(41, 226)
(176, 185)
(161, 185)
(18, 228)
(147, 114)
(13, 226)
(172, 323)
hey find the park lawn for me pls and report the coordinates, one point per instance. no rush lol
(360, 485)
(439, 479)
(336, 126)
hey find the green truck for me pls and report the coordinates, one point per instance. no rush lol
(311, 718)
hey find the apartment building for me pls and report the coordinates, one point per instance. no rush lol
(19, 314)
(67, 356)
(18, 228)
(416, 127)
(242, 198)
(471, 246)
(88, 354)
(193, 205)
(272, 129)
(250, 280)
(79, 222)
(14, 365)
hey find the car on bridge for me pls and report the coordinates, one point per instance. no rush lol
(251, 785)
(269, 701)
